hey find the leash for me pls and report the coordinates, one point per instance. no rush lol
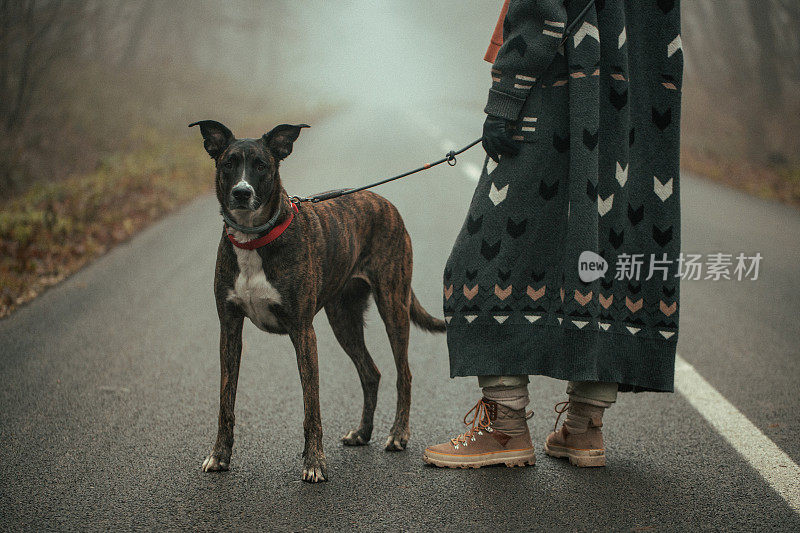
(274, 230)
(450, 158)
(451, 155)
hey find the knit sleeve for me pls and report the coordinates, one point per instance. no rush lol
(532, 32)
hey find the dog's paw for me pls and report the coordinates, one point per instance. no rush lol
(355, 437)
(214, 463)
(315, 471)
(396, 443)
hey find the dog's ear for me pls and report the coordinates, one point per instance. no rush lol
(280, 139)
(216, 137)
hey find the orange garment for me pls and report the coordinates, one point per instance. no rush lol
(497, 37)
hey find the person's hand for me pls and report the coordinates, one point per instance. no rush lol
(497, 138)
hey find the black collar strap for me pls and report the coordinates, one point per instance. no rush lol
(263, 228)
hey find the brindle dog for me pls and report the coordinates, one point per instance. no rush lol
(333, 255)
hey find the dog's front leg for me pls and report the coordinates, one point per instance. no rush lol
(230, 355)
(305, 344)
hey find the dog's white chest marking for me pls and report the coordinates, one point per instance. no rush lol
(252, 291)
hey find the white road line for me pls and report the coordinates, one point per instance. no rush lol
(771, 462)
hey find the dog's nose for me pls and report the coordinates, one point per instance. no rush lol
(242, 193)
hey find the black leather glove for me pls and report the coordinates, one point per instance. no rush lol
(497, 138)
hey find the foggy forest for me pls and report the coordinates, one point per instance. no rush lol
(85, 72)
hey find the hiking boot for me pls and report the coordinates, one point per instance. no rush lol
(580, 438)
(496, 435)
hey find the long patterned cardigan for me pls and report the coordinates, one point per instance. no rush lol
(598, 171)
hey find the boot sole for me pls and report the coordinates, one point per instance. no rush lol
(581, 458)
(510, 458)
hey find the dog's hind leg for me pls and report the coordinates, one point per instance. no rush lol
(346, 316)
(392, 298)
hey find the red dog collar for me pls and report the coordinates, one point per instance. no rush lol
(273, 234)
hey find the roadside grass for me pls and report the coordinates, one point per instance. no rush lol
(731, 136)
(53, 229)
(106, 152)
(779, 182)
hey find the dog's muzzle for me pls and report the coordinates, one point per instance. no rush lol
(242, 196)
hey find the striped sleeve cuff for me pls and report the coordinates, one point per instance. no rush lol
(503, 105)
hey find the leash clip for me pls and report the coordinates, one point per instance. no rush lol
(451, 158)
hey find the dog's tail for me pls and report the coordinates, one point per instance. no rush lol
(421, 318)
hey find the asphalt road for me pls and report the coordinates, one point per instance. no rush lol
(110, 380)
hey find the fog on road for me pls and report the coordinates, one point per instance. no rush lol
(110, 380)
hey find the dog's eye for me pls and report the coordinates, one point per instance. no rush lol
(261, 167)
(228, 164)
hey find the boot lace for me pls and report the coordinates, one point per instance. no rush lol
(480, 422)
(560, 408)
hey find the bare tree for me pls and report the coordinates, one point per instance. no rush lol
(145, 12)
(36, 36)
(768, 59)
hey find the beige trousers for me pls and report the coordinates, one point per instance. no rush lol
(590, 390)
